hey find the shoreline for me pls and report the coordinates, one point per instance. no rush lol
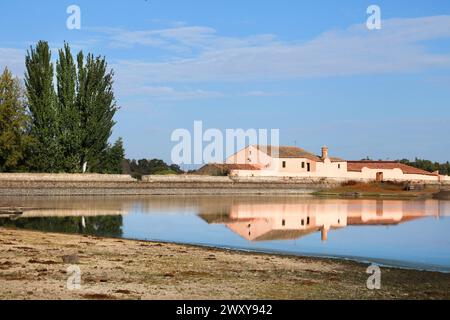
(32, 267)
(392, 264)
(384, 263)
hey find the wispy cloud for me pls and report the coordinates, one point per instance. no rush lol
(200, 54)
(169, 93)
(262, 93)
(180, 38)
(400, 47)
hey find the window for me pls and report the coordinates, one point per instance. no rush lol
(303, 222)
(339, 166)
(307, 221)
(303, 165)
(283, 223)
(309, 167)
(284, 164)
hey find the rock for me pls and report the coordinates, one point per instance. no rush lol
(71, 259)
(122, 291)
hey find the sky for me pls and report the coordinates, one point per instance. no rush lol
(311, 69)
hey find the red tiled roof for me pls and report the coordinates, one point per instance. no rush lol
(288, 152)
(335, 159)
(243, 166)
(293, 152)
(357, 166)
(284, 152)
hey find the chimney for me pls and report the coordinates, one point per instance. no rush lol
(324, 152)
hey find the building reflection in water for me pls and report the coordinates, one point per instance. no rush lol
(288, 221)
(254, 218)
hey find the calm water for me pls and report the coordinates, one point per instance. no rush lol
(414, 233)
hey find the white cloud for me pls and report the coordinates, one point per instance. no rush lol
(262, 93)
(200, 54)
(398, 48)
(169, 93)
(180, 38)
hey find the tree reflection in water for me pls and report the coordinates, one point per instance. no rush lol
(104, 226)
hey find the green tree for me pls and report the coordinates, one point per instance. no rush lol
(45, 153)
(148, 167)
(72, 125)
(112, 159)
(68, 113)
(13, 122)
(443, 168)
(97, 107)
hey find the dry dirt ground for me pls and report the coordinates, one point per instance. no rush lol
(33, 265)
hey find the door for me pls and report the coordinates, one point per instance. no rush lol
(379, 176)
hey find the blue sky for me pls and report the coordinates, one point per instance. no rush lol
(308, 68)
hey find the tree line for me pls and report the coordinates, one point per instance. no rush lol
(59, 128)
(427, 165)
(143, 167)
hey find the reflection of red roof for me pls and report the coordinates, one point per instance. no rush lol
(359, 165)
(285, 234)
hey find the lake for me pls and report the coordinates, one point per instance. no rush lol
(403, 233)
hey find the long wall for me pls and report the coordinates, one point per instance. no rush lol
(61, 185)
(57, 185)
(64, 177)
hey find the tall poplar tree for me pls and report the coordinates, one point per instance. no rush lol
(97, 106)
(68, 112)
(45, 154)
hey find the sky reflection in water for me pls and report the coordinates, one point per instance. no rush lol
(412, 233)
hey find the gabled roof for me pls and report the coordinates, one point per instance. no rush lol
(244, 166)
(357, 166)
(285, 152)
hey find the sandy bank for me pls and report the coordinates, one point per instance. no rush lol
(32, 267)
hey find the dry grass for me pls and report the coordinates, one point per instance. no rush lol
(379, 189)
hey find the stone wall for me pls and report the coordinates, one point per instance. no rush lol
(63, 177)
(77, 184)
(43, 185)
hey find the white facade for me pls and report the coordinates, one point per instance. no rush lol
(296, 162)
